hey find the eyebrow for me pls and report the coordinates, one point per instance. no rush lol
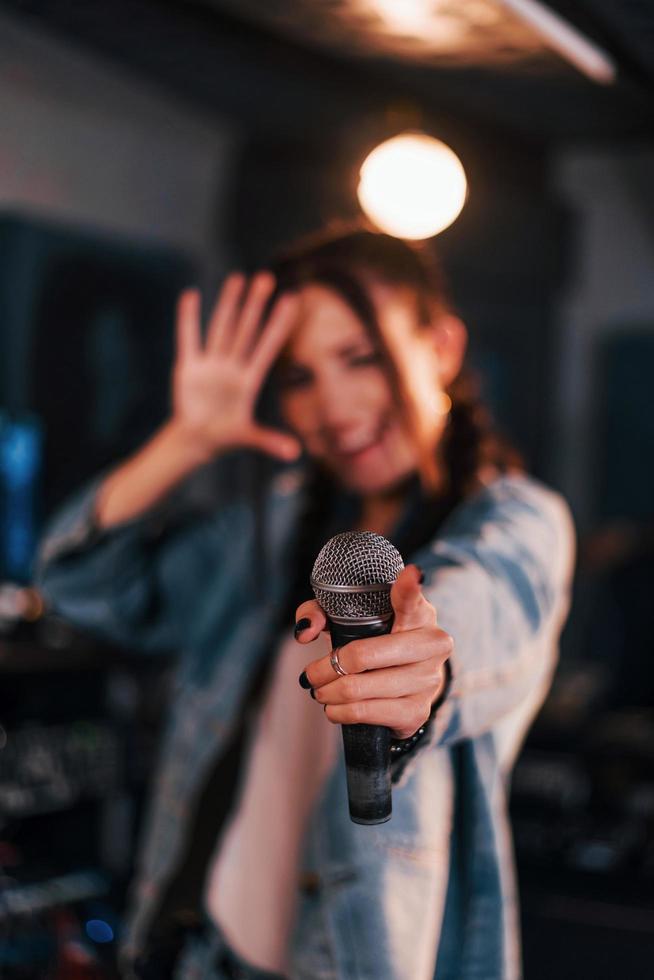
(353, 348)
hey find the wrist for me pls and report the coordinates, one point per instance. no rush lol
(401, 746)
(190, 447)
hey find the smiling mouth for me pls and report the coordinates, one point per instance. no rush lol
(348, 452)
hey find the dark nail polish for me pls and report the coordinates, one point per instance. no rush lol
(301, 625)
(312, 693)
(304, 681)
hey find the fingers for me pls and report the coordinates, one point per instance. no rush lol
(249, 321)
(412, 610)
(278, 328)
(188, 341)
(389, 682)
(235, 325)
(403, 715)
(317, 621)
(274, 443)
(376, 652)
(225, 313)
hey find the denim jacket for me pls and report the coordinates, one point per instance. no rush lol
(498, 573)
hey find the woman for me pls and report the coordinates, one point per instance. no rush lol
(250, 865)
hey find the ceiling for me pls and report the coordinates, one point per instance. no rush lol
(299, 65)
(447, 33)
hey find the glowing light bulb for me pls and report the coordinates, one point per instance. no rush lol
(412, 186)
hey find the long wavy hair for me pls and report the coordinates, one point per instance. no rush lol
(345, 260)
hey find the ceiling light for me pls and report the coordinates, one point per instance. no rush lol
(412, 186)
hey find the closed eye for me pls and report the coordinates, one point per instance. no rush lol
(295, 376)
(362, 360)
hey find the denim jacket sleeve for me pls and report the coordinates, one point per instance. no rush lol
(117, 583)
(499, 575)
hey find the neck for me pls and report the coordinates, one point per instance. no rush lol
(380, 512)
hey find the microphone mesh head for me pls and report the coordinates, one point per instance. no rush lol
(355, 559)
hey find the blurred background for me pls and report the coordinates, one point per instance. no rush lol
(149, 144)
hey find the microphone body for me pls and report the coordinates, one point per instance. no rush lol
(352, 578)
(367, 747)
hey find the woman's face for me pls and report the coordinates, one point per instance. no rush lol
(337, 396)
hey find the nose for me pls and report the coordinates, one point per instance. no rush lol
(337, 408)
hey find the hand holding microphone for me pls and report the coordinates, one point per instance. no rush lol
(392, 673)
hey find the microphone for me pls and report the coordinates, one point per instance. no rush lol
(351, 579)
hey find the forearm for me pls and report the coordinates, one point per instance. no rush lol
(133, 583)
(500, 580)
(143, 480)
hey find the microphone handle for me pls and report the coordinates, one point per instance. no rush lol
(367, 747)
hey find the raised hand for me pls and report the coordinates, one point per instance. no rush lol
(216, 383)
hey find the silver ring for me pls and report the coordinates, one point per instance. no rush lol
(335, 662)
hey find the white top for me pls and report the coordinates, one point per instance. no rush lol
(252, 882)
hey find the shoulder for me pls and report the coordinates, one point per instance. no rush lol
(513, 497)
(516, 494)
(514, 515)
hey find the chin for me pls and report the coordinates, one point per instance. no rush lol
(373, 483)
